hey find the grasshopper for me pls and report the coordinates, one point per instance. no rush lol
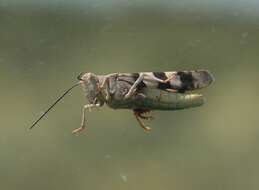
(140, 92)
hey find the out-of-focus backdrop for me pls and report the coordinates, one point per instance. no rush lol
(45, 44)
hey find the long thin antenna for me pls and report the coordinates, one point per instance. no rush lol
(67, 91)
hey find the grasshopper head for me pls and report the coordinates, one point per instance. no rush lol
(90, 83)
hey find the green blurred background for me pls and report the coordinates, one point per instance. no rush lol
(45, 44)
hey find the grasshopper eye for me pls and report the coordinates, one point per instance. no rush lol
(79, 77)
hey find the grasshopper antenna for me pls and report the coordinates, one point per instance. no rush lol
(65, 93)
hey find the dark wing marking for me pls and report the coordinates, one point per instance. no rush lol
(164, 86)
(191, 80)
(186, 79)
(160, 75)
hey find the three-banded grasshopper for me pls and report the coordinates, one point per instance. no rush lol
(140, 92)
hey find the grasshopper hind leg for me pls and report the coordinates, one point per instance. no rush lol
(138, 113)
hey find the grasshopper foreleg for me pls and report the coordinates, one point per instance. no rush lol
(85, 108)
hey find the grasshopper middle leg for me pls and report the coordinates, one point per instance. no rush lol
(89, 108)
